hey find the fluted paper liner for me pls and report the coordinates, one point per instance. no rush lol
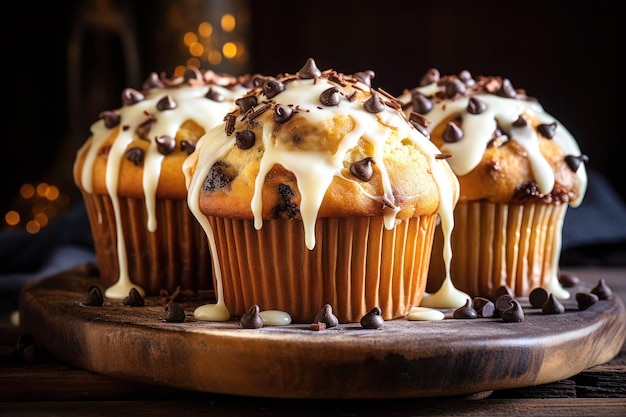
(175, 254)
(356, 264)
(500, 244)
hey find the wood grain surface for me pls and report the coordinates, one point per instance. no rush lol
(401, 359)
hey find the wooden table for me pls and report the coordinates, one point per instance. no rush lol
(32, 384)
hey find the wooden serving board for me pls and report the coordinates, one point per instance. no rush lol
(401, 359)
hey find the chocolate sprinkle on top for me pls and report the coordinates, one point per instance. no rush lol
(165, 144)
(372, 319)
(111, 119)
(229, 126)
(131, 96)
(452, 133)
(330, 96)
(166, 103)
(282, 113)
(245, 139)
(374, 104)
(309, 70)
(363, 169)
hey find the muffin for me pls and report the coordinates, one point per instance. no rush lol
(129, 172)
(519, 169)
(318, 190)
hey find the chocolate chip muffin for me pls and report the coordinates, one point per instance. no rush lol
(519, 169)
(130, 174)
(318, 190)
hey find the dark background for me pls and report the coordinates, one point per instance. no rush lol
(567, 54)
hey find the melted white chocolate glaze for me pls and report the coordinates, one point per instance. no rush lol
(478, 130)
(315, 170)
(191, 103)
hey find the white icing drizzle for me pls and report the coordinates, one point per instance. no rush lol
(275, 318)
(314, 169)
(424, 314)
(191, 104)
(467, 153)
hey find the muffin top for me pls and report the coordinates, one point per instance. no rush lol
(318, 144)
(138, 149)
(505, 148)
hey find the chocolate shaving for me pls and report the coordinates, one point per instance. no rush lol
(229, 126)
(258, 111)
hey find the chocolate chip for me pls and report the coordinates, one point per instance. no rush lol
(174, 313)
(330, 96)
(365, 77)
(586, 300)
(547, 130)
(188, 146)
(219, 176)
(282, 113)
(134, 299)
(452, 133)
(285, 208)
(165, 144)
(111, 119)
(454, 87)
(521, 121)
(431, 76)
(166, 103)
(363, 169)
(252, 319)
(143, 130)
(552, 306)
(374, 104)
(372, 319)
(272, 87)
(514, 314)
(538, 296)
(466, 311)
(153, 81)
(506, 90)
(131, 96)
(215, 95)
(483, 306)
(574, 162)
(93, 298)
(504, 290)
(502, 304)
(568, 280)
(192, 73)
(602, 290)
(309, 70)
(476, 106)
(246, 103)
(245, 139)
(465, 76)
(26, 348)
(134, 155)
(326, 316)
(421, 103)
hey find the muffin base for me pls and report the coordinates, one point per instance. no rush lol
(500, 244)
(356, 265)
(175, 255)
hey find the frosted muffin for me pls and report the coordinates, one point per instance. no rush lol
(129, 172)
(519, 169)
(318, 190)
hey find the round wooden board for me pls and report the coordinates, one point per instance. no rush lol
(401, 359)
